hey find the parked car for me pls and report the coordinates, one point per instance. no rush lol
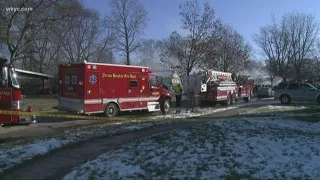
(296, 91)
(265, 92)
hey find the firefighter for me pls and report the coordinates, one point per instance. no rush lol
(178, 92)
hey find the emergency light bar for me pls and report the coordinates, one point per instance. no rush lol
(145, 70)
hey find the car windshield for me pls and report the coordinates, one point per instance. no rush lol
(154, 82)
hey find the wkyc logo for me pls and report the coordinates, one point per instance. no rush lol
(15, 9)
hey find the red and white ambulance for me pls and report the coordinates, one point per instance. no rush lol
(90, 88)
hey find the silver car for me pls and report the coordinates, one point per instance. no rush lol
(296, 91)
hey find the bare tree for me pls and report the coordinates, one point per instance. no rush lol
(271, 69)
(315, 67)
(303, 30)
(184, 54)
(128, 19)
(18, 24)
(102, 54)
(42, 53)
(274, 41)
(2, 29)
(103, 49)
(289, 43)
(148, 52)
(81, 34)
(2, 50)
(230, 53)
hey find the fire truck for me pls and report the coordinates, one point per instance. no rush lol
(220, 87)
(225, 88)
(11, 98)
(90, 88)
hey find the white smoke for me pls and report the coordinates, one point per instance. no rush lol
(260, 78)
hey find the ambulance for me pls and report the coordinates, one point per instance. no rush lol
(92, 88)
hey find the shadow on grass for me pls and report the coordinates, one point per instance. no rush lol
(305, 111)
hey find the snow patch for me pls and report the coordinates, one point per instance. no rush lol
(201, 112)
(251, 149)
(275, 110)
(16, 155)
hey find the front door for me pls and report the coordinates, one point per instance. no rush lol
(92, 94)
(154, 87)
(144, 92)
(307, 92)
(294, 92)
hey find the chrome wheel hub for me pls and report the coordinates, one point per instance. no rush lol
(285, 99)
(111, 111)
(166, 106)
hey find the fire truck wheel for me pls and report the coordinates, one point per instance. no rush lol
(111, 110)
(248, 99)
(228, 101)
(233, 98)
(165, 106)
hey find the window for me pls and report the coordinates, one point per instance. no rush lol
(305, 87)
(14, 78)
(133, 84)
(282, 86)
(67, 80)
(154, 82)
(293, 86)
(74, 80)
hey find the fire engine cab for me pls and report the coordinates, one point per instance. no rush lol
(89, 88)
(11, 98)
